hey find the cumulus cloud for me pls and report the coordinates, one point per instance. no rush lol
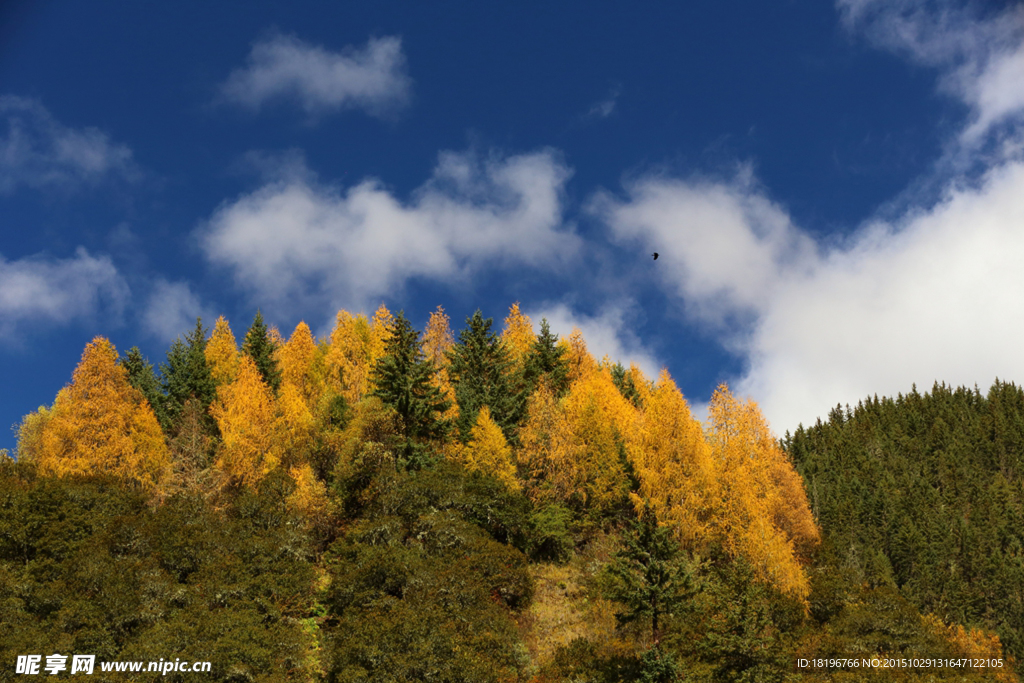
(981, 57)
(39, 290)
(38, 151)
(608, 334)
(172, 309)
(372, 78)
(294, 242)
(934, 296)
(721, 246)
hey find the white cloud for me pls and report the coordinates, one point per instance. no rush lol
(372, 78)
(172, 309)
(981, 58)
(38, 151)
(934, 296)
(608, 334)
(293, 243)
(721, 246)
(38, 290)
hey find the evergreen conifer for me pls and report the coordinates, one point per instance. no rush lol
(403, 380)
(649, 577)
(260, 348)
(547, 359)
(483, 373)
(187, 375)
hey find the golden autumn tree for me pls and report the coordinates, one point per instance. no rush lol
(299, 393)
(540, 438)
(100, 424)
(636, 378)
(356, 345)
(574, 449)
(222, 353)
(438, 340)
(518, 335)
(673, 462)
(488, 452)
(765, 515)
(580, 361)
(249, 425)
(348, 358)
(380, 331)
(30, 433)
(310, 500)
(295, 360)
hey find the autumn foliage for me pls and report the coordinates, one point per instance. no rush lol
(397, 450)
(250, 426)
(488, 452)
(99, 424)
(611, 440)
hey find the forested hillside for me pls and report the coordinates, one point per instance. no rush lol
(924, 493)
(386, 505)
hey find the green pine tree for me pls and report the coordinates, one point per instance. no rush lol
(403, 380)
(547, 360)
(649, 577)
(186, 375)
(260, 348)
(483, 374)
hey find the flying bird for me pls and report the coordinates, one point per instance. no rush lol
(655, 256)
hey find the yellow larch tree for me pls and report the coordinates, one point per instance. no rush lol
(581, 362)
(295, 360)
(542, 436)
(250, 428)
(765, 514)
(574, 449)
(100, 424)
(30, 433)
(488, 452)
(636, 376)
(437, 341)
(673, 463)
(380, 330)
(299, 394)
(356, 345)
(311, 500)
(222, 353)
(275, 337)
(518, 335)
(348, 358)
(296, 425)
(438, 338)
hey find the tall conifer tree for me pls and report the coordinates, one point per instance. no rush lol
(260, 348)
(546, 359)
(483, 374)
(187, 375)
(404, 381)
(649, 578)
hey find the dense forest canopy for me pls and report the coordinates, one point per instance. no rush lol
(382, 504)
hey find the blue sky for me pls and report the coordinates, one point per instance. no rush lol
(836, 190)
